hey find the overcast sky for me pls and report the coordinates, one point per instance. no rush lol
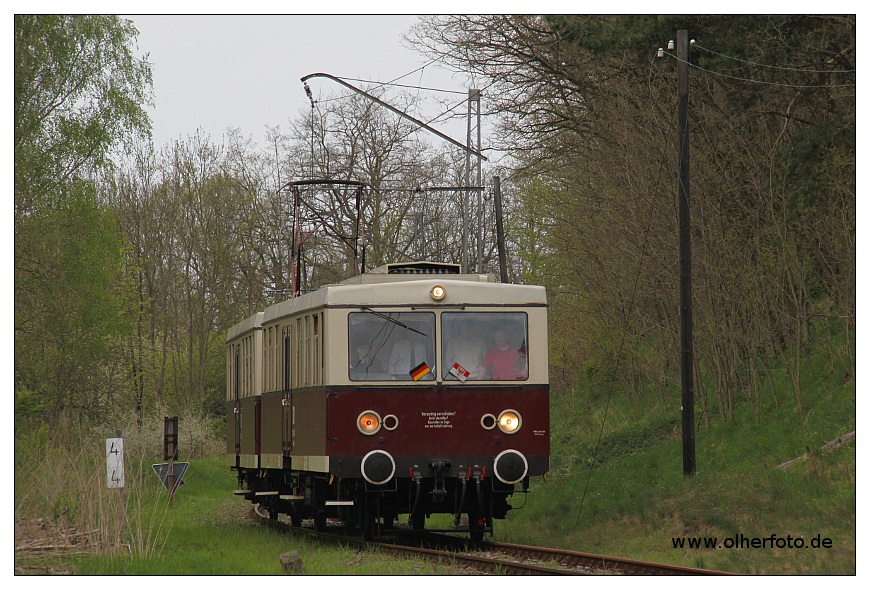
(217, 71)
(214, 72)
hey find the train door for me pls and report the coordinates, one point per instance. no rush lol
(286, 401)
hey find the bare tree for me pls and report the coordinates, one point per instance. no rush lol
(588, 115)
(355, 140)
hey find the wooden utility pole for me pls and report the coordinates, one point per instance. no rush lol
(686, 347)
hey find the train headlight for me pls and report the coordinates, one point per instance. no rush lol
(368, 422)
(437, 292)
(509, 421)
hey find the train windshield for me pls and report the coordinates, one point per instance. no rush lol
(391, 346)
(484, 345)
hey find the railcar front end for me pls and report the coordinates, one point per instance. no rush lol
(389, 396)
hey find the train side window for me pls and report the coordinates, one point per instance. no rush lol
(298, 363)
(285, 377)
(267, 360)
(321, 358)
(485, 346)
(391, 346)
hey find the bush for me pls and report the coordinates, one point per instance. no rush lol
(198, 437)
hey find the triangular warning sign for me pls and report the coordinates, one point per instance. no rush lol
(178, 470)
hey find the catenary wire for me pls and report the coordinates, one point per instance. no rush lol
(755, 64)
(752, 81)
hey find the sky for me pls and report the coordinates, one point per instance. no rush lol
(212, 72)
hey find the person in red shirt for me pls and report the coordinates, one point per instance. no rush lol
(504, 362)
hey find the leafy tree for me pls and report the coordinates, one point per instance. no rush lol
(79, 93)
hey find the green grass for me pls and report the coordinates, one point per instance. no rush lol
(627, 495)
(616, 489)
(208, 534)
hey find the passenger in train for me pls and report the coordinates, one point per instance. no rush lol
(407, 354)
(365, 364)
(466, 349)
(505, 361)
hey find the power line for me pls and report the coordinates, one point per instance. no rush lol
(752, 81)
(414, 87)
(442, 57)
(392, 82)
(758, 65)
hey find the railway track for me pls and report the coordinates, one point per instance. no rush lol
(590, 563)
(497, 558)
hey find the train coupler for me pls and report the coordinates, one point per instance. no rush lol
(439, 492)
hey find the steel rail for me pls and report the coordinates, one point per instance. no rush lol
(477, 562)
(569, 563)
(621, 565)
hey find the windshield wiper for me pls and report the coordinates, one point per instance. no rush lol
(394, 320)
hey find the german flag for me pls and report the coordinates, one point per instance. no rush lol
(420, 371)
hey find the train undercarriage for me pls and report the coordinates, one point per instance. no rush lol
(474, 500)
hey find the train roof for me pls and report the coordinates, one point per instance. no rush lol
(247, 325)
(410, 290)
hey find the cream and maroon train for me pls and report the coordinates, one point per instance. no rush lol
(411, 390)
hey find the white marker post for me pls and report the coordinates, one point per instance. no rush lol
(115, 462)
(115, 470)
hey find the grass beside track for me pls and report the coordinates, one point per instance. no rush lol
(625, 494)
(616, 487)
(208, 533)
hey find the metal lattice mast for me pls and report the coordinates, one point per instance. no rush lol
(473, 124)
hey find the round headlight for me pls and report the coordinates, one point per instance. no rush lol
(368, 422)
(438, 292)
(509, 421)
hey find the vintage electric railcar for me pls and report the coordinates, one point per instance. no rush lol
(410, 390)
